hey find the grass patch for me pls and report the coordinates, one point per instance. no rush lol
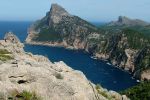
(103, 92)
(5, 55)
(98, 86)
(25, 95)
(4, 51)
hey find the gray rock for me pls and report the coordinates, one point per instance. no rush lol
(125, 21)
(56, 13)
(11, 37)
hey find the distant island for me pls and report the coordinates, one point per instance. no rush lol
(125, 43)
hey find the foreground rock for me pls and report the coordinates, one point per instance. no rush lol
(50, 81)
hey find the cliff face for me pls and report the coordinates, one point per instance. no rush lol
(64, 28)
(47, 80)
(56, 14)
(122, 47)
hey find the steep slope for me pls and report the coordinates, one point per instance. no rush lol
(120, 44)
(58, 26)
(128, 49)
(125, 22)
(27, 76)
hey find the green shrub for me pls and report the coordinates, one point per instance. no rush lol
(5, 55)
(136, 39)
(4, 51)
(48, 34)
(102, 92)
(139, 92)
(59, 76)
(98, 86)
(25, 95)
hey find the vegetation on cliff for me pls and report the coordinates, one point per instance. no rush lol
(48, 34)
(5, 55)
(24, 95)
(139, 92)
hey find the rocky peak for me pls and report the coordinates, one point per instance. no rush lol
(56, 13)
(12, 43)
(123, 20)
(9, 36)
(58, 10)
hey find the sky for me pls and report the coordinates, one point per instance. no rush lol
(90, 10)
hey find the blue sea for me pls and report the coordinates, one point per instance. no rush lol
(97, 71)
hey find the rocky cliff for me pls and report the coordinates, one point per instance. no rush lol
(65, 29)
(24, 76)
(124, 47)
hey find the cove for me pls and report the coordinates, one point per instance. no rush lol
(97, 71)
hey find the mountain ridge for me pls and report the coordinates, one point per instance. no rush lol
(123, 48)
(123, 20)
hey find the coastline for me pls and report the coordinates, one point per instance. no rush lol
(71, 48)
(35, 72)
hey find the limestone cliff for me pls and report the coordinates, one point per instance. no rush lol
(50, 81)
(119, 43)
(66, 30)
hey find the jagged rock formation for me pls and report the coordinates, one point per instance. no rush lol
(56, 14)
(50, 81)
(123, 20)
(66, 30)
(125, 48)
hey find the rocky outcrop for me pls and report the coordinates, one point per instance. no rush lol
(125, 21)
(56, 14)
(16, 47)
(130, 59)
(68, 30)
(145, 75)
(50, 81)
